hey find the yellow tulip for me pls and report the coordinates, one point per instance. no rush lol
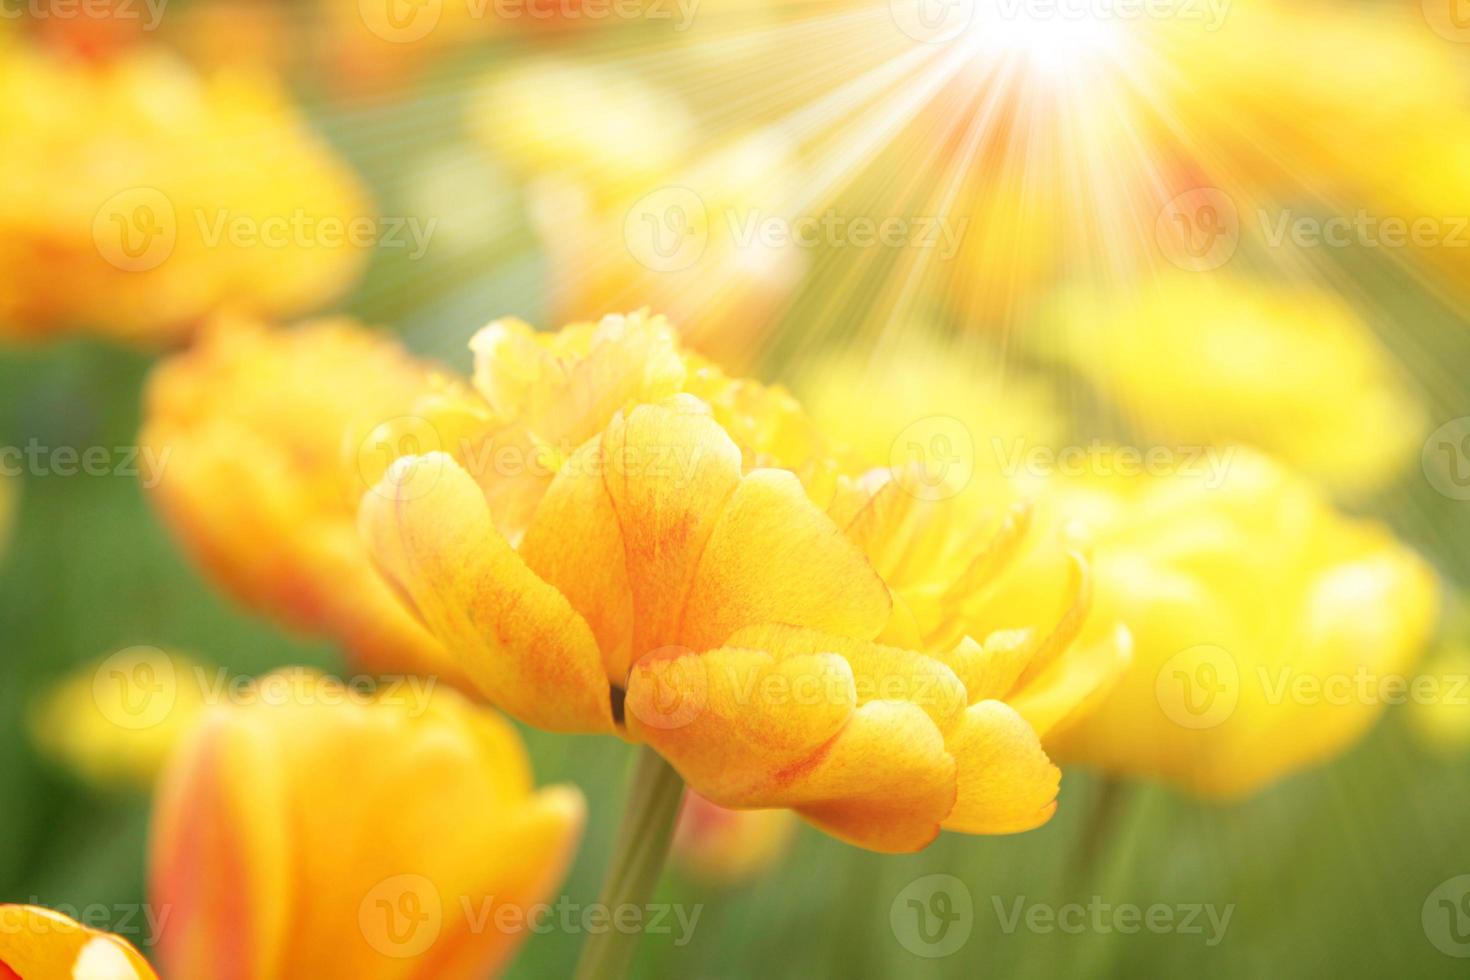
(1199, 360)
(634, 205)
(1440, 715)
(671, 586)
(39, 944)
(114, 722)
(312, 832)
(214, 195)
(726, 847)
(931, 390)
(263, 442)
(9, 501)
(1270, 630)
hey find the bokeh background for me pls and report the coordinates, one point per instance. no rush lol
(533, 147)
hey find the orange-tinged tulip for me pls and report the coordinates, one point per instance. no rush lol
(39, 944)
(726, 847)
(675, 587)
(329, 836)
(139, 197)
(1270, 630)
(264, 441)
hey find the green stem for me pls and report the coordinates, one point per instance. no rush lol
(638, 859)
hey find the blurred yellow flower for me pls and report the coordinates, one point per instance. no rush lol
(39, 944)
(114, 722)
(727, 847)
(138, 197)
(885, 407)
(1270, 630)
(635, 206)
(1439, 712)
(323, 835)
(263, 442)
(1200, 359)
(665, 582)
(9, 504)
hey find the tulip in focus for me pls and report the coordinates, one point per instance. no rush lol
(114, 722)
(39, 944)
(728, 847)
(669, 582)
(265, 440)
(1270, 631)
(139, 197)
(312, 832)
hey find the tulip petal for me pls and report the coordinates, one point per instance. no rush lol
(733, 721)
(1006, 782)
(428, 529)
(669, 470)
(576, 544)
(1076, 682)
(885, 783)
(41, 944)
(880, 673)
(775, 557)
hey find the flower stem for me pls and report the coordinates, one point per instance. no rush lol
(638, 859)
